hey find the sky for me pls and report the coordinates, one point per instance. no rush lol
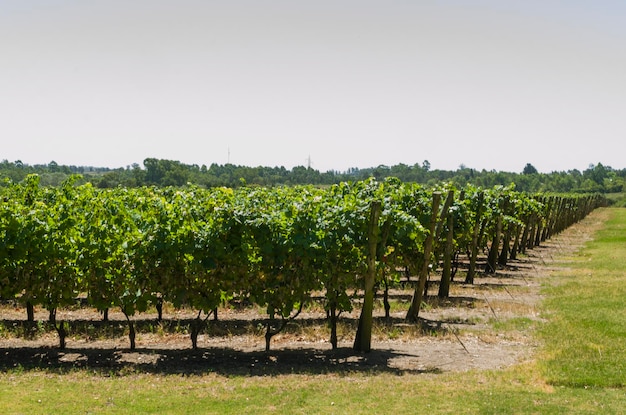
(485, 84)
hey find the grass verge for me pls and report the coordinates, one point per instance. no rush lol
(586, 333)
(516, 391)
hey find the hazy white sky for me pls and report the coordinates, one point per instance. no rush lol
(489, 84)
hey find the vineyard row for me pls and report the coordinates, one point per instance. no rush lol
(273, 247)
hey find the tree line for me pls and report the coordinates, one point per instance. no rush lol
(161, 172)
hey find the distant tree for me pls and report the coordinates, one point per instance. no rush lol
(380, 172)
(597, 173)
(53, 167)
(154, 170)
(529, 169)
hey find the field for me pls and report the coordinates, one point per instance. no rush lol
(521, 341)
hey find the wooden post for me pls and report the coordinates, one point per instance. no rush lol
(515, 248)
(438, 230)
(363, 339)
(506, 241)
(469, 278)
(444, 285)
(492, 259)
(414, 309)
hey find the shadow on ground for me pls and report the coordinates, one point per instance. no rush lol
(222, 361)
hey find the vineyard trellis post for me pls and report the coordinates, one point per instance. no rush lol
(444, 285)
(363, 338)
(492, 258)
(469, 278)
(414, 309)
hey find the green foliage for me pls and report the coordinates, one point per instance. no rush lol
(134, 247)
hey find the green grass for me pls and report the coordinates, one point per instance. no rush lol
(516, 323)
(508, 392)
(586, 336)
(618, 199)
(580, 370)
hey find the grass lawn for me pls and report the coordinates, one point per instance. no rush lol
(586, 336)
(580, 369)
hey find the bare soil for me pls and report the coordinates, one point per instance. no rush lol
(487, 325)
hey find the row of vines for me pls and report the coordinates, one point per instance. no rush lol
(272, 247)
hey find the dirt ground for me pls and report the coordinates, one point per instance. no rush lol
(487, 325)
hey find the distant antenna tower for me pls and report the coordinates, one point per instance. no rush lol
(228, 159)
(308, 162)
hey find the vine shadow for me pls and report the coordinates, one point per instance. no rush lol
(221, 361)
